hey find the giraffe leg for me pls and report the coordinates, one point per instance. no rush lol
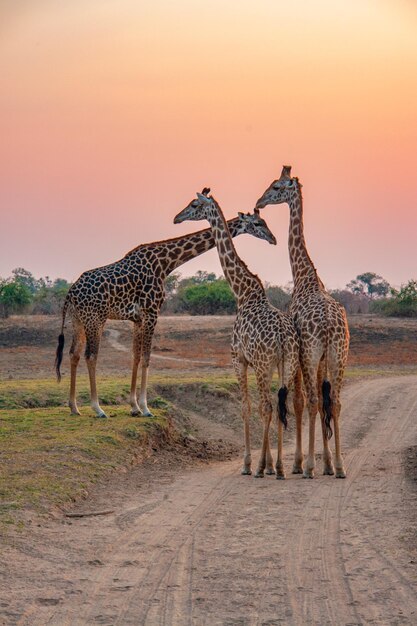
(148, 330)
(310, 382)
(137, 351)
(241, 369)
(328, 468)
(280, 465)
(290, 379)
(336, 380)
(299, 404)
(78, 341)
(93, 343)
(265, 410)
(143, 399)
(270, 470)
(340, 470)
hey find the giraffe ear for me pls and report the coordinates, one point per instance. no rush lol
(203, 199)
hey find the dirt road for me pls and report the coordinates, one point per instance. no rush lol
(213, 547)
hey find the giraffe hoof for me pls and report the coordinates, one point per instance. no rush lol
(259, 474)
(280, 476)
(308, 473)
(147, 414)
(135, 413)
(246, 471)
(340, 473)
(297, 469)
(102, 415)
(328, 471)
(270, 471)
(75, 412)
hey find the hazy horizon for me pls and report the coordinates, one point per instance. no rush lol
(113, 114)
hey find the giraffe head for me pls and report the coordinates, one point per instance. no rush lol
(280, 190)
(203, 205)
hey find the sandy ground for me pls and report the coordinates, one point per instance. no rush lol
(201, 546)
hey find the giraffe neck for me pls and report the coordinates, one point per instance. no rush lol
(172, 253)
(303, 271)
(243, 283)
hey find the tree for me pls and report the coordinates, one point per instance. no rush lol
(353, 302)
(278, 297)
(171, 283)
(24, 277)
(369, 284)
(50, 295)
(407, 293)
(14, 297)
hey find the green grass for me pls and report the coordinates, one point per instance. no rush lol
(49, 457)
(43, 393)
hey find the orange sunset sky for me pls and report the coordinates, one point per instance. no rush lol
(113, 113)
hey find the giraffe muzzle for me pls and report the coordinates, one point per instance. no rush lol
(178, 219)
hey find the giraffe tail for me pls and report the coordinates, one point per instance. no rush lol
(61, 343)
(282, 405)
(327, 408)
(326, 386)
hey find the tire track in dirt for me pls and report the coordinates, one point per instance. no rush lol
(112, 335)
(339, 603)
(215, 547)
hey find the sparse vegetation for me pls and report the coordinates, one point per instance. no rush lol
(23, 293)
(206, 294)
(403, 302)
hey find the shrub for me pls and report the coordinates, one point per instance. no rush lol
(14, 297)
(208, 298)
(278, 297)
(403, 302)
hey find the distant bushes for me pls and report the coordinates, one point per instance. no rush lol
(279, 297)
(370, 292)
(403, 302)
(206, 294)
(354, 303)
(209, 298)
(23, 293)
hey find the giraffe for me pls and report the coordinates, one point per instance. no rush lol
(262, 337)
(322, 327)
(131, 289)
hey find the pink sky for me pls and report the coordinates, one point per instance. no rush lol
(113, 113)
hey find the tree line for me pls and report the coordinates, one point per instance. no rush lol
(207, 294)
